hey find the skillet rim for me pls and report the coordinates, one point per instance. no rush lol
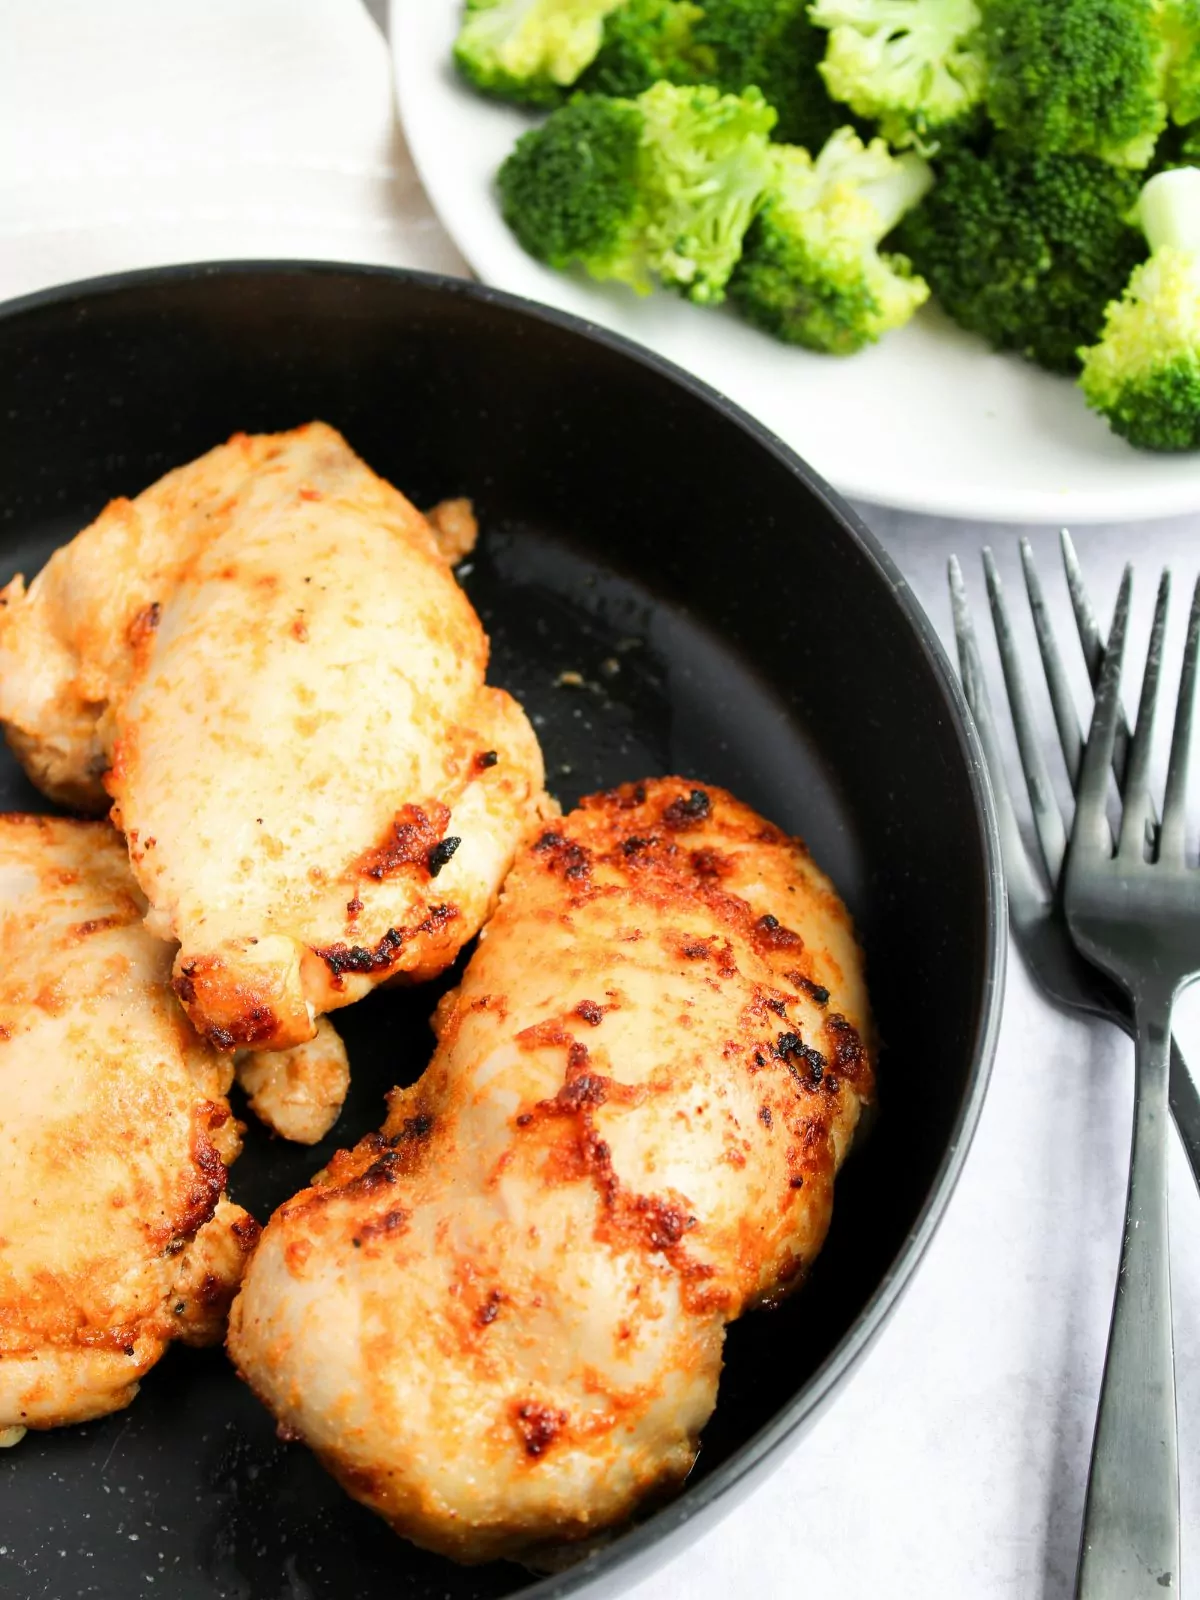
(649, 1544)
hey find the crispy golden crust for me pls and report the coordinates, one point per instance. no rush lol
(266, 662)
(114, 1234)
(455, 528)
(299, 1092)
(499, 1320)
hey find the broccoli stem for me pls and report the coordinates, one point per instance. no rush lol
(893, 196)
(1168, 210)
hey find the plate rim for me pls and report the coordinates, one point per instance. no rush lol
(650, 1543)
(1033, 507)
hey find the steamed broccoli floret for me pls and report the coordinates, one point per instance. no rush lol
(705, 164)
(1077, 76)
(772, 45)
(1179, 23)
(647, 42)
(733, 44)
(914, 66)
(1026, 249)
(811, 272)
(569, 189)
(529, 50)
(663, 185)
(1144, 373)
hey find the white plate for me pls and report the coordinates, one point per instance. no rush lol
(929, 420)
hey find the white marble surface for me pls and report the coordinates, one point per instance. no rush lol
(145, 131)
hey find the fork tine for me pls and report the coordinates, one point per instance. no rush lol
(1137, 773)
(1066, 718)
(1047, 819)
(1093, 654)
(1023, 882)
(1090, 636)
(1172, 838)
(1092, 641)
(1090, 831)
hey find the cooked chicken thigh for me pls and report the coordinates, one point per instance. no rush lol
(299, 1092)
(266, 658)
(499, 1321)
(115, 1236)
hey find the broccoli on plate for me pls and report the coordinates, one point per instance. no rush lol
(663, 186)
(774, 46)
(1143, 374)
(769, 45)
(533, 51)
(647, 42)
(1078, 76)
(914, 66)
(1026, 250)
(529, 50)
(811, 272)
(1179, 22)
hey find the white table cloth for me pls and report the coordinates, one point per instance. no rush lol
(137, 132)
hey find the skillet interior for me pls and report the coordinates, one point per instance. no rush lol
(759, 643)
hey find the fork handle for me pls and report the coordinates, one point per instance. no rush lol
(1185, 1098)
(1130, 1544)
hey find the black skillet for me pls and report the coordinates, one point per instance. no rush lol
(732, 621)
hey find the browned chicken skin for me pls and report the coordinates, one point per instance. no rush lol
(299, 1092)
(266, 661)
(499, 1321)
(115, 1236)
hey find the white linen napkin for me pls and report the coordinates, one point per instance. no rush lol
(139, 132)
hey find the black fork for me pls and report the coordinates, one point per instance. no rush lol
(1135, 913)
(1034, 886)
